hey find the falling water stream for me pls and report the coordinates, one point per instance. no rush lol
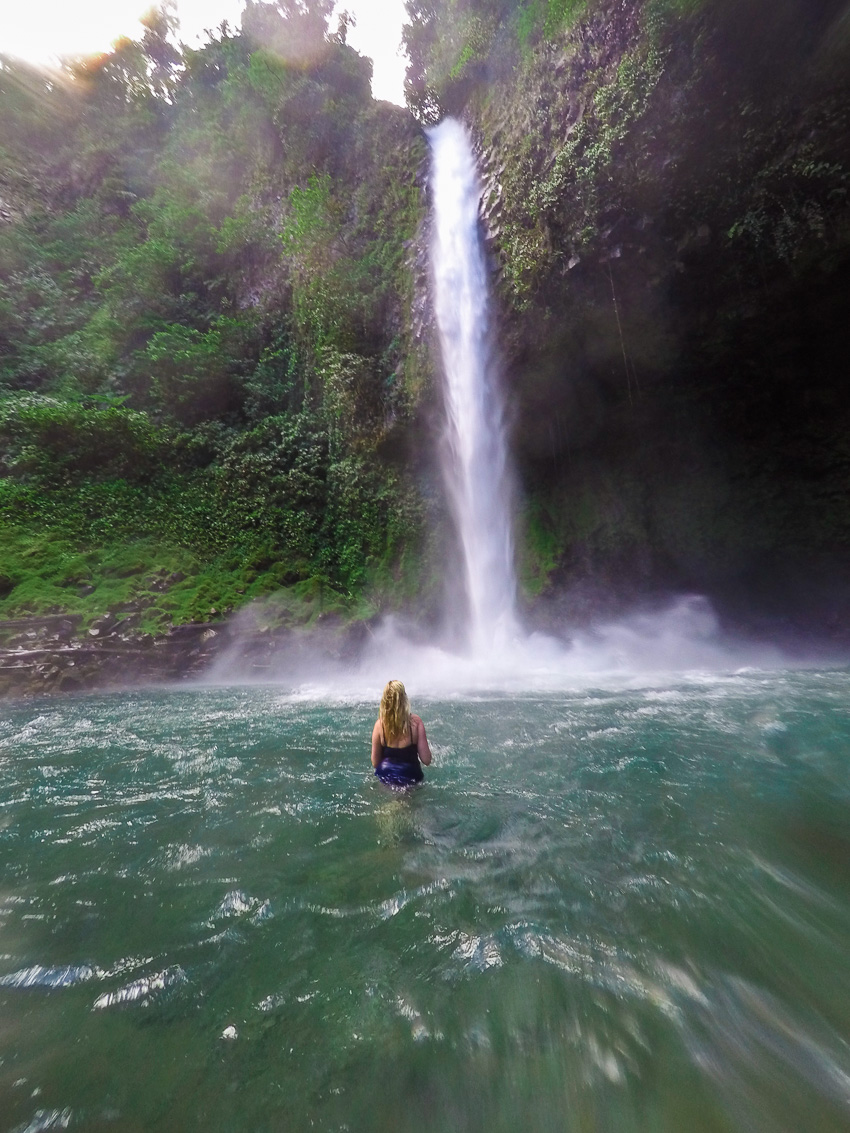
(476, 449)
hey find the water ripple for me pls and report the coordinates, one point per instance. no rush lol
(142, 989)
(609, 903)
(45, 1119)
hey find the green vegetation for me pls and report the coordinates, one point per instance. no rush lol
(153, 583)
(548, 18)
(540, 547)
(204, 285)
(454, 43)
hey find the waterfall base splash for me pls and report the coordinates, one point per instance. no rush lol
(682, 640)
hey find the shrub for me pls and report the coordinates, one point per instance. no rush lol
(43, 437)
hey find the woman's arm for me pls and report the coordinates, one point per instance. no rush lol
(420, 739)
(376, 744)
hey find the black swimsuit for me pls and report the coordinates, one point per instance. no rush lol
(399, 766)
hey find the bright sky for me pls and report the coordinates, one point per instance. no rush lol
(43, 30)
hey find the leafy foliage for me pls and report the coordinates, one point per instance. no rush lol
(203, 280)
(45, 439)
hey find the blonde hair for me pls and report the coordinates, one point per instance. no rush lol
(395, 711)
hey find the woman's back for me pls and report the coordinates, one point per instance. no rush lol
(405, 750)
(399, 744)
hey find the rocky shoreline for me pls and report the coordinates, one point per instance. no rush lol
(49, 654)
(52, 654)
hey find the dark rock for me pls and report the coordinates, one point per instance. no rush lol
(193, 629)
(129, 621)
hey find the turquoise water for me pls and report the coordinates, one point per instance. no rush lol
(605, 910)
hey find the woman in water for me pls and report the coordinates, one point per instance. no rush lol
(399, 743)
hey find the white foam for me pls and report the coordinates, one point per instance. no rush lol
(680, 643)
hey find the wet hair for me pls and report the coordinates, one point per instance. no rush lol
(395, 711)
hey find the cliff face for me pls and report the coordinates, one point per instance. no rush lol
(667, 201)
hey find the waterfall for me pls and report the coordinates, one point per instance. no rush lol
(636, 651)
(475, 453)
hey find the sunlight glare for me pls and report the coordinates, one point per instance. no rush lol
(44, 31)
(377, 33)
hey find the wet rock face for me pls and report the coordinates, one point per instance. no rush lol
(48, 655)
(671, 231)
(51, 655)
